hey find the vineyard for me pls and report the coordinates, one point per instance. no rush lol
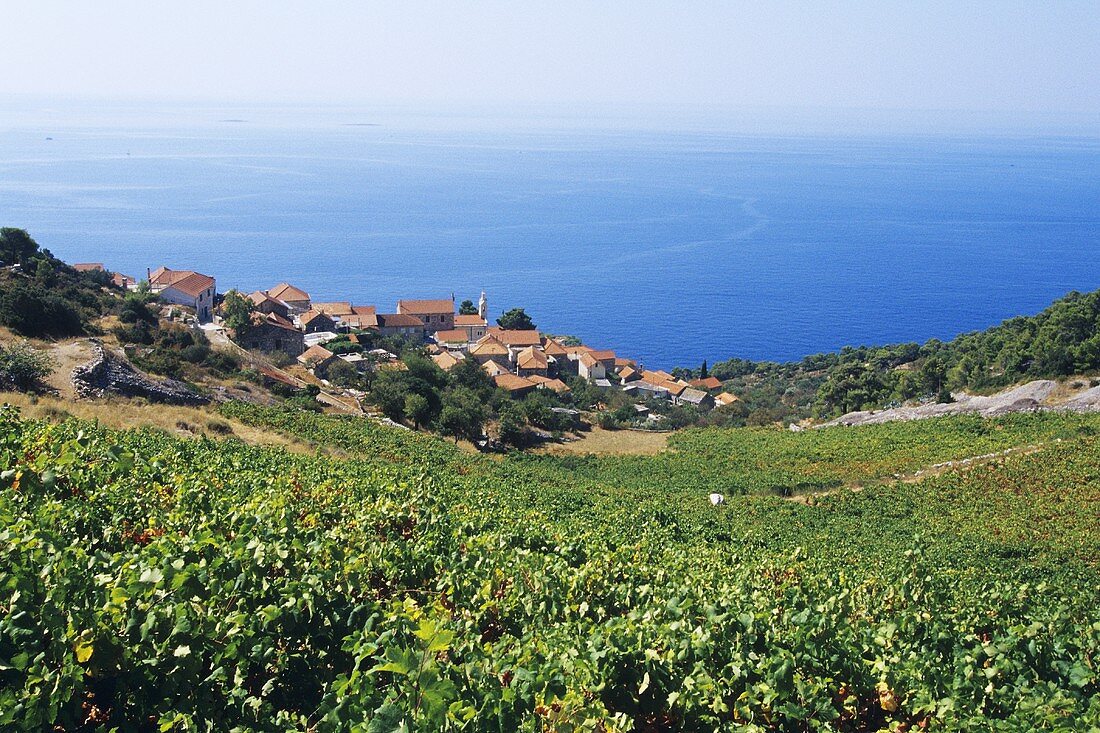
(393, 582)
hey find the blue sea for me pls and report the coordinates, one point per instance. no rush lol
(670, 246)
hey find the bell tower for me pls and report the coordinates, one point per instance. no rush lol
(483, 307)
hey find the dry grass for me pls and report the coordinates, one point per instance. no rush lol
(123, 414)
(614, 442)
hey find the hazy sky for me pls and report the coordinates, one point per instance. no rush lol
(1001, 56)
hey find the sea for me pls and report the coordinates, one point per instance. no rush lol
(671, 245)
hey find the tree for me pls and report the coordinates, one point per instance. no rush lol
(16, 246)
(389, 394)
(516, 320)
(469, 374)
(343, 374)
(467, 308)
(463, 415)
(510, 428)
(22, 367)
(237, 313)
(703, 373)
(417, 409)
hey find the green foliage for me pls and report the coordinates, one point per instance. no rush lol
(511, 429)
(237, 313)
(1061, 341)
(151, 582)
(467, 308)
(516, 319)
(22, 367)
(463, 414)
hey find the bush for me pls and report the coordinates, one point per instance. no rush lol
(34, 311)
(22, 367)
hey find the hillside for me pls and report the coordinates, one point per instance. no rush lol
(158, 583)
(1060, 342)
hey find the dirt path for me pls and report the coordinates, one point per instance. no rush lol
(937, 469)
(67, 355)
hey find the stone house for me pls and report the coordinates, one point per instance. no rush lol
(314, 321)
(435, 315)
(296, 299)
(187, 288)
(270, 332)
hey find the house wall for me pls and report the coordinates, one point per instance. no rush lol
(203, 304)
(273, 338)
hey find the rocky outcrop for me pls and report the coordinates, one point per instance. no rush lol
(108, 374)
(1031, 397)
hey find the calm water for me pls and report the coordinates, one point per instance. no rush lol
(668, 247)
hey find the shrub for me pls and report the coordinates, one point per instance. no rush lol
(23, 367)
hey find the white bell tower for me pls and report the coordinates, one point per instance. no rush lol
(483, 307)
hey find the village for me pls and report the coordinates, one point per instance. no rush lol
(285, 322)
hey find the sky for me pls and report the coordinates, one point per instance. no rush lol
(1002, 56)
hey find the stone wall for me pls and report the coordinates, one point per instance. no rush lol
(107, 374)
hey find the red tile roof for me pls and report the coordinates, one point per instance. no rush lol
(513, 383)
(424, 307)
(531, 358)
(516, 338)
(364, 310)
(338, 308)
(552, 348)
(288, 293)
(315, 355)
(548, 383)
(455, 336)
(398, 320)
(312, 315)
(446, 361)
(469, 321)
(193, 284)
(88, 266)
(706, 383)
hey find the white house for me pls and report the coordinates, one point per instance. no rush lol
(187, 288)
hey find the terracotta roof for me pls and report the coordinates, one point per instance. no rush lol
(271, 319)
(604, 356)
(259, 297)
(315, 355)
(531, 358)
(88, 266)
(446, 361)
(364, 310)
(123, 281)
(312, 315)
(398, 320)
(548, 383)
(424, 307)
(338, 308)
(517, 338)
(552, 348)
(628, 373)
(489, 347)
(469, 321)
(455, 336)
(287, 292)
(674, 388)
(656, 377)
(493, 368)
(577, 350)
(360, 320)
(192, 284)
(513, 383)
(589, 361)
(706, 383)
(725, 398)
(621, 363)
